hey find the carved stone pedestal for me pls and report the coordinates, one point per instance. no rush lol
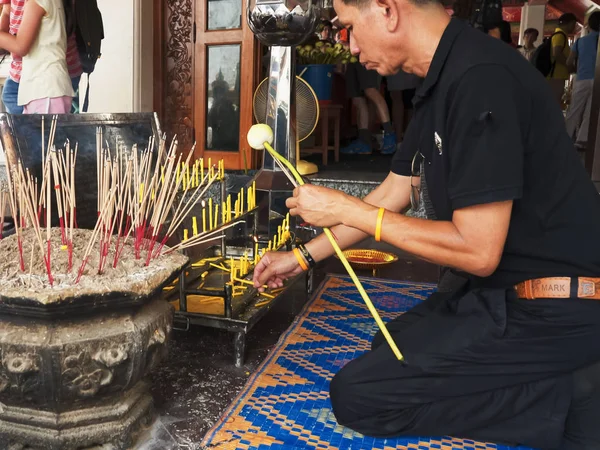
(76, 383)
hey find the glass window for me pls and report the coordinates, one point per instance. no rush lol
(223, 98)
(224, 14)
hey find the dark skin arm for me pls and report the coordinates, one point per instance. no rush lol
(472, 241)
(30, 26)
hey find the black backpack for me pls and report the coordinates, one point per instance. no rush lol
(89, 31)
(542, 57)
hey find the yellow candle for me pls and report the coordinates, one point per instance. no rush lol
(209, 168)
(177, 175)
(270, 247)
(254, 194)
(216, 216)
(201, 170)
(249, 198)
(187, 169)
(210, 213)
(203, 217)
(255, 253)
(241, 199)
(223, 213)
(185, 235)
(279, 234)
(229, 207)
(194, 226)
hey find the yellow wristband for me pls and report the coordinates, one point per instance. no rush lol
(379, 222)
(300, 259)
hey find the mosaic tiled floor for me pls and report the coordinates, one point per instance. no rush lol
(285, 404)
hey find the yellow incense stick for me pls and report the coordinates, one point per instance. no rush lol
(241, 199)
(343, 259)
(248, 282)
(216, 266)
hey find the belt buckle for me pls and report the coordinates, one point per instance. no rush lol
(587, 288)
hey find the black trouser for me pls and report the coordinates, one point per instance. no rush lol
(479, 364)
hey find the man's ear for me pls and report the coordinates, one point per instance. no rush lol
(389, 9)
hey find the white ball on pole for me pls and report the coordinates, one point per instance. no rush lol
(258, 135)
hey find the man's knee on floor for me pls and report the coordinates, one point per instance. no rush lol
(354, 408)
(342, 400)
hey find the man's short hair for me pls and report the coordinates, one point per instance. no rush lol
(594, 21)
(532, 31)
(567, 18)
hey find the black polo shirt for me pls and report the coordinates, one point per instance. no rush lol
(489, 130)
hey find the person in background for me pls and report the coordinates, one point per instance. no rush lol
(560, 53)
(502, 31)
(528, 47)
(326, 32)
(10, 21)
(402, 87)
(45, 86)
(363, 84)
(582, 61)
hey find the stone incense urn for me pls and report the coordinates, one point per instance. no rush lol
(73, 361)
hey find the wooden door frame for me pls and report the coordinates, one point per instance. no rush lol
(173, 68)
(248, 49)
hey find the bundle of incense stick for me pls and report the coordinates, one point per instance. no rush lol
(139, 196)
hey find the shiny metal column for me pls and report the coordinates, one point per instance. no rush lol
(281, 105)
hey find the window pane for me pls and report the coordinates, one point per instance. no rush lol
(224, 14)
(223, 99)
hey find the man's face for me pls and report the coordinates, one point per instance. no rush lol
(570, 27)
(529, 39)
(368, 31)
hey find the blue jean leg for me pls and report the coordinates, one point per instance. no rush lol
(10, 94)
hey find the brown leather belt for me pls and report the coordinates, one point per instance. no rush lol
(559, 287)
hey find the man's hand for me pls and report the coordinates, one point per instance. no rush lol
(274, 268)
(317, 205)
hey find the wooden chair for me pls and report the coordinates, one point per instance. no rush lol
(328, 112)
